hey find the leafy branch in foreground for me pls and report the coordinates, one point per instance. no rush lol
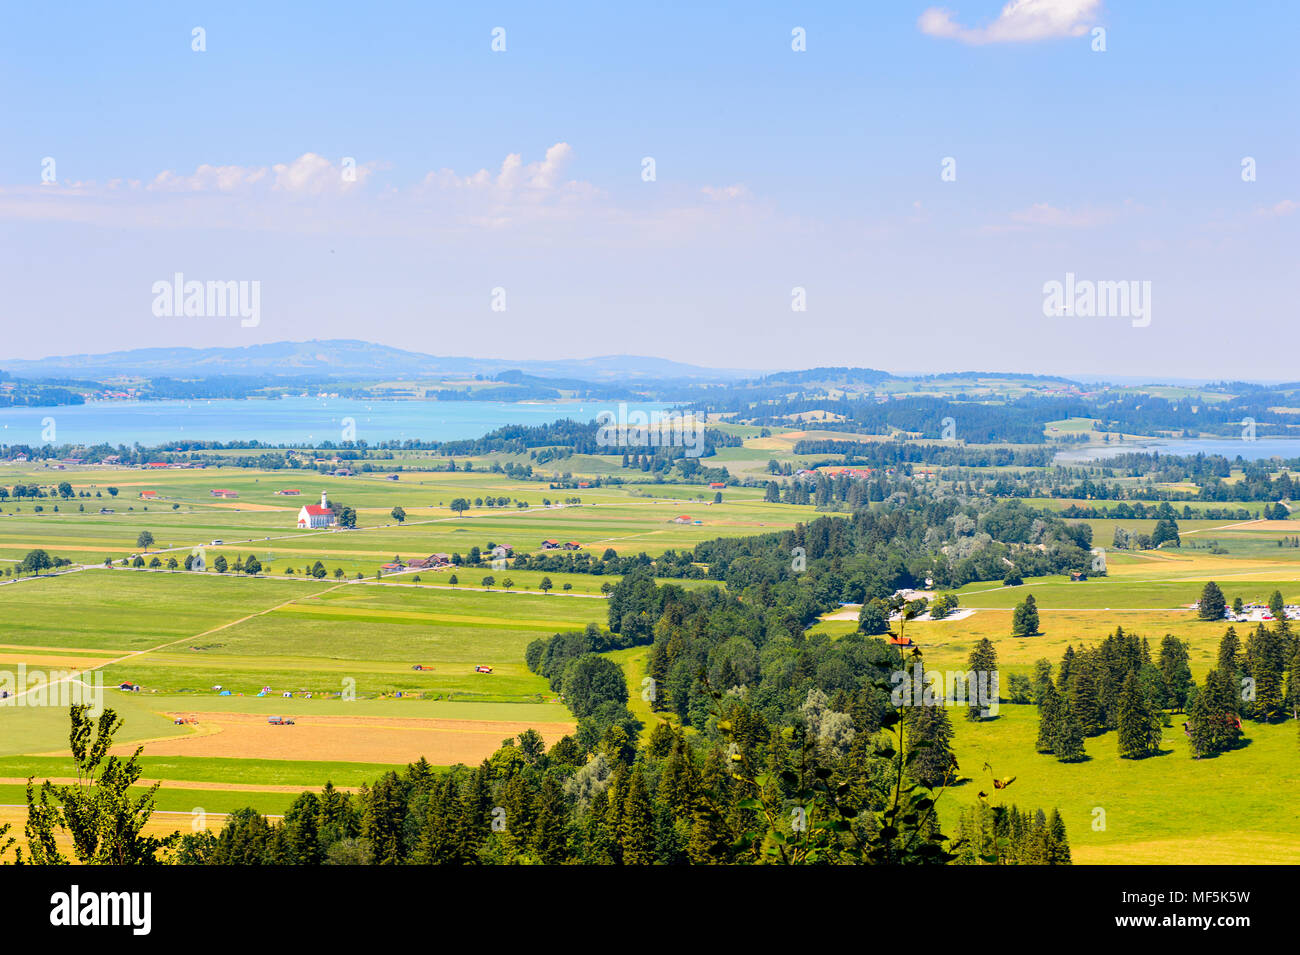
(96, 812)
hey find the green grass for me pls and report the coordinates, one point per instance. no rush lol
(255, 772)
(184, 802)
(1155, 810)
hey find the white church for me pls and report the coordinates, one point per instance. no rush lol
(312, 516)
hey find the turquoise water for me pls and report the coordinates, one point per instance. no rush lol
(284, 420)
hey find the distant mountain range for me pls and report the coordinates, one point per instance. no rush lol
(347, 358)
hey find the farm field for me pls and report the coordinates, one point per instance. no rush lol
(626, 519)
(339, 655)
(345, 649)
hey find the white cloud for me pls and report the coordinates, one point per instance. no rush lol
(308, 175)
(304, 195)
(1283, 208)
(543, 176)
(726, 193)
(1021, 21)
(1044, 215)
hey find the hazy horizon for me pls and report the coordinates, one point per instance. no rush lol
(921, 176)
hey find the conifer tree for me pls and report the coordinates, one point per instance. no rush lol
(1083, 696)
(1049, 718)
(636, 828)
(1175, 671)
(1058, 845)
(1024, 621)
(930, 764)
(1293, 686)
(1139, 727)
(1042, 676)
(1068, 742)
(1212, 603)
(1199, 733)
(983, 662)
(1066, 668)
(301, 828)
(551, 832)
(383, 823)
(1264, 662)
(1229, 654)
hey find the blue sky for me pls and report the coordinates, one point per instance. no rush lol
(775, 169)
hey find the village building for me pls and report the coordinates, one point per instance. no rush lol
(312, 516)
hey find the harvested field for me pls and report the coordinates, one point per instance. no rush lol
(346, 738)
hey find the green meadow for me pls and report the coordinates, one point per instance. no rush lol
(353, 644)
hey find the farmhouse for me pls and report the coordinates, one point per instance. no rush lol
(572, 545)
(312, 516)
(682, 519)
(289, 492)
(717, 485)
(149, 495)
(224, 492)
(550, 545)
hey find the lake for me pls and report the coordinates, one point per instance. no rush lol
(1230, 448)
(295, 420)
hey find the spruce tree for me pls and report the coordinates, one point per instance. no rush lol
(1293, 686)
(1049, 718)
(1264, 661)
(983, 662)
(1084, 699)
(1230, 653)
(1212, 604)
(636, 834)
(551, 832)
(1024, 621)
(1058, 845)
(1068, 744)
(1139, 728)
(1176, 672)
(1200, 736)
(929, 765)
(1042, 676)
